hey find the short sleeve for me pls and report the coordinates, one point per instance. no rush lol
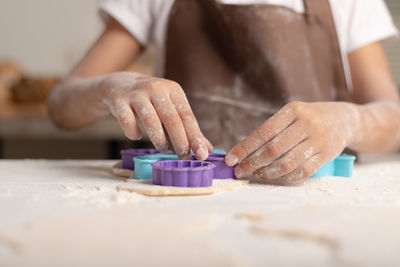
(369, 21)
(135, 15)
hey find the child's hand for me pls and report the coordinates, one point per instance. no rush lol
(155, 102)
(297, 141)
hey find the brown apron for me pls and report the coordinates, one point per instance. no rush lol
(239, 64)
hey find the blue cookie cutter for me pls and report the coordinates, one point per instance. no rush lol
(143, 169)
(342, 166)
(215, 151)
(219, 151)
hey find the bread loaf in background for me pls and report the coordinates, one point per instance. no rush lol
(32, 89)
(16, 86)
(10, 74)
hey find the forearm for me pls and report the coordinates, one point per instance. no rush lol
(379, 128)
(77, 102)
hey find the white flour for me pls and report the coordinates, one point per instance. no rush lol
(69, 213)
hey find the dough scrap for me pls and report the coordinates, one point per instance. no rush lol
(119, 171)
(146, 187)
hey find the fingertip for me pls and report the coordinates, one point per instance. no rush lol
(210, 147)
(231, 159)
(202, 153)
(239, 173)
(187, 156)
(162, 148)
(183, 152)
(134, 135)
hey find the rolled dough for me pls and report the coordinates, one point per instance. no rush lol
(146, 187)
(119, 171)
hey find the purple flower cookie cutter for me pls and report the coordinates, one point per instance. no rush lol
(183, 173)
(128, 155)
(221, 170)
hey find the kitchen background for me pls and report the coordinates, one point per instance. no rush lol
(40, 41)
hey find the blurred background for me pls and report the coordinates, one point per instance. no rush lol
(40, 41)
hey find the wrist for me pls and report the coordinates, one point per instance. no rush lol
(91, 96)
(355, 114)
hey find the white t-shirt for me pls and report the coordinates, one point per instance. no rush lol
(358, 22)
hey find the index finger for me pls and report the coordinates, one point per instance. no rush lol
(197, 142)
(268, 130)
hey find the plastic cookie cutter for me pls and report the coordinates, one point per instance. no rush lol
(342, 166)
(143, 169)
(219, 151)
(221, 170)
(215, 151)
(183, 173)
(128, 154)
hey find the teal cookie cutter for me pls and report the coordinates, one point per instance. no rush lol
(143, 168)
(219, 151)
(215, 151)
(342, 166)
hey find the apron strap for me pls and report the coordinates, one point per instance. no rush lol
(320, 11)
(308, 8)
(221, 30)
